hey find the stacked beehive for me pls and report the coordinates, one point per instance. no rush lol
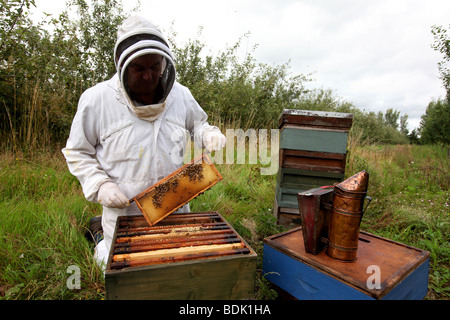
(313, 152)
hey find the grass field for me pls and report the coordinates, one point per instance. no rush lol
(44, 215)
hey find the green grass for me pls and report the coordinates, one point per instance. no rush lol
(43, 218)
(411, 202)
(44, 215)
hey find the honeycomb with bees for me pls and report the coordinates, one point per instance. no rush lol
(177, 189)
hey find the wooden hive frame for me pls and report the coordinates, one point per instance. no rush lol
(186, 256)
(177, 189)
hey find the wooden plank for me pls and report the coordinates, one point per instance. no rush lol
(290, 182)
(289, 217)
(323, 119)
(300, 179)
(172, 235)
(168, 244)
(154, 242)
(229, 277)
(287, 197)
(173, 252)
(289, 220)
(309, 139)
(313, 161)
(173, 259)
(174, 218)
(170, 229)
(414, 286)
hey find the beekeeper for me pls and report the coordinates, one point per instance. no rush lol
(128, 132)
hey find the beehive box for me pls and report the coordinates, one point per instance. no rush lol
(316, 119)
(186, 256)
(313, 151)
(177, 189)
(383, 270)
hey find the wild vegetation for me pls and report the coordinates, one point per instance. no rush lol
(45, 67)
(43, 211)
(45, 215)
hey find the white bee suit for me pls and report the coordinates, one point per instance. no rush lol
(110, 141)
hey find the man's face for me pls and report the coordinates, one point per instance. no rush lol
(143, 76)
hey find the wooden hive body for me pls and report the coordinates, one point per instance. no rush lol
(186, 256)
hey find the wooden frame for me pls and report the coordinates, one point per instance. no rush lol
(177, 189)
(316, 119)
(313, 161)
(187, 256)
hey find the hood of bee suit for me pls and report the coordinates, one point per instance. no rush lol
(137, 37)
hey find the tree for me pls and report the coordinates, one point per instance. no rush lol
(233, 90)
(404, 124)
(13, 16)
(42, 74)
(96, 29)
(414, 137)
(391, 118)
(442, 44)
(435, 123)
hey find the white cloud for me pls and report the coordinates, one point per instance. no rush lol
(374, 53)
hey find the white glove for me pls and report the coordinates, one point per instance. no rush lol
(214, 140)
(109, 195)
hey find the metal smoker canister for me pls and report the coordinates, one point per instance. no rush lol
(348, 208)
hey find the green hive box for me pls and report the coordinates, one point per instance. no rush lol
(183, 257)
(313, 151)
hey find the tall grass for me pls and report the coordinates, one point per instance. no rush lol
(44, 216)
(409, 185)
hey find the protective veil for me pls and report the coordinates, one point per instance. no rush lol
(135, 38)
(113, 139)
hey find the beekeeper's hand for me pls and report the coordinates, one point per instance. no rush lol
(109, 195)
(214, 140)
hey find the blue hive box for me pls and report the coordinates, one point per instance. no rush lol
(383, 270)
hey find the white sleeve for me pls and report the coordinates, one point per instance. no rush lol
(80, 150)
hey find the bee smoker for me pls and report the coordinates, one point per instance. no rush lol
(315, 209)
(346, 215)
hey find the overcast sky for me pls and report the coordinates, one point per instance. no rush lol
(374, 53)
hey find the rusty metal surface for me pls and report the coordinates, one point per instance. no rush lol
(348, 204)
(356, 183)
(315, 210)
(178, 237)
